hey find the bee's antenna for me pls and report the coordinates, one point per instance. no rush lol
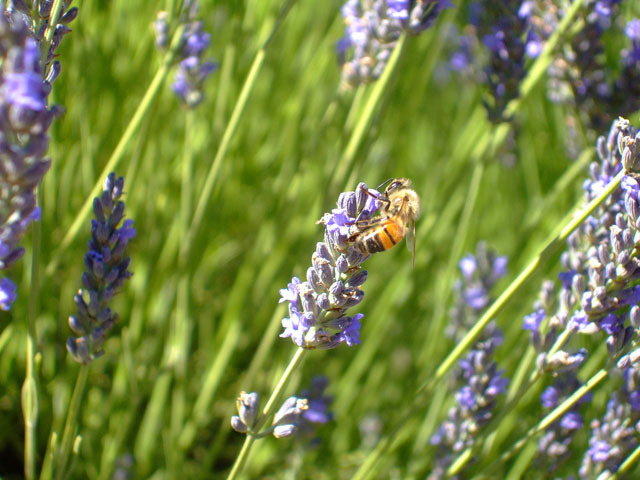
(384, 183)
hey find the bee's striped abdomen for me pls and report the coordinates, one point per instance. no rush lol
(381, 237)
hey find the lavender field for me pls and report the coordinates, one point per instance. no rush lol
(200, 204)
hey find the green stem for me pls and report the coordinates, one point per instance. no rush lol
(456, 252)
(268, 411)
(119, 151)
(223, 148)
(71, 424)
(180, 329)
(232, 126)
(552, 416)
(187, 179)
(346, 161)
(30, 387)
(242, 457)
(54, 16)
(627, 464)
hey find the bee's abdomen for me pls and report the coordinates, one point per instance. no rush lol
(380, 238)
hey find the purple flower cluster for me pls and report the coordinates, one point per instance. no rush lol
(25, 119)
(480, 272)
(503, 29)
(107, 269)
(482, 383)
(372, 30)
(478, 380)
(581, 72)
(554, 447)
(318, 306)
(612, 440)
(193, 70)
(599, 282)
(296, 416)
(615, 436)
(598, 294)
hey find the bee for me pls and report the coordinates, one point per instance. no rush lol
(398, 212)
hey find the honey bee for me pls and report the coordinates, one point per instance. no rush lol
(398, 212)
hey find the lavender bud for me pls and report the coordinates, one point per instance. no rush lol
(342, 264)
(361, 196)
(323, 268)
(247, 406)
(358, 279)
(314, 280)
(323, 301)
(634, 316)
(237, 424)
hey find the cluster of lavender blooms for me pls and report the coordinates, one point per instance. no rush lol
(478, 380)
(193, 70)
(480, 272)
(318, 306)
(554, 446)
(505, 34)
(25, 118)
(598, 295)
(601, 265)
(581, 73)
(372, 29)
(615, 435)
(296, 416)
(107, 269)
(612, 439)
(515, 31)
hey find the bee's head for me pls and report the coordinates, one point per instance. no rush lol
(397, 184)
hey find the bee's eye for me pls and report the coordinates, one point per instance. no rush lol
(394, 185)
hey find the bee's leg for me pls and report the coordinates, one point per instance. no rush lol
(379, 196)
(368, 222)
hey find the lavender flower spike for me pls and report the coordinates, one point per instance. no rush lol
(372, 30)
(192, 70)
(24, 121)
(295, 416)
(107, 269)
(318, 306)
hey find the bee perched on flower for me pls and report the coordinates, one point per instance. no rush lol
(400, 205)
(318, 306)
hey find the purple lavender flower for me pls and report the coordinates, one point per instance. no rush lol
(161, 30)
(192, 71)
(481, 385)
(554, 447)
(612, 440)
(598, 290)
(107, 269)
(372, 30)
(504, 31)
(581, 72)
(480, 272)
(478, 380)
(296, 416)
(317, 307)
(247, 406)
(24, 122)
(7, 293)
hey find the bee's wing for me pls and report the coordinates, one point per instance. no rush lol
(411, 241)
